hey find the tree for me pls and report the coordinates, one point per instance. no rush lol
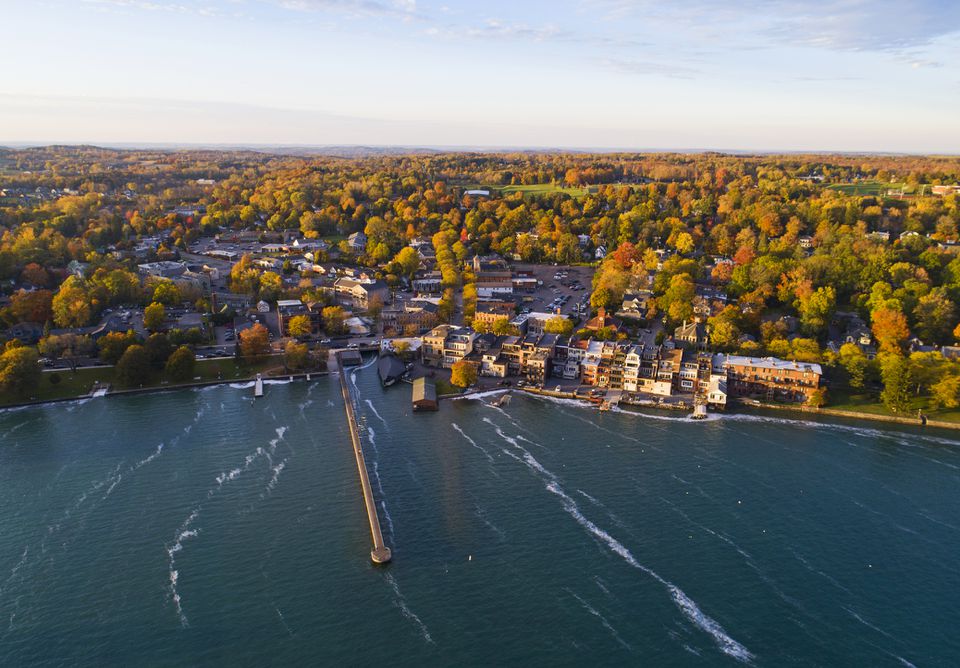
(946, 392)
(244, 277)
(69, 347)
(889, 327)
(558, 325)
(180, 364)
(677, 301)
(935, 315)
(254, 343)
(295, 355)
(154, 317)
(409, 261)
(167, 293)
(897, 382)
(334, 320)
(855, 363)
(71, 305)
(113, 344)
(32, 306)
(463, 373)
(300, 325)
(19, 371)
(134, 368)
(817, 309)
(159, 349)
(271, 285)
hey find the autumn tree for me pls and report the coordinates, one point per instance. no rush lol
(19, 371)
(71, 305)
(254, 343)
(112, 345)
(154, 317)
(334, 320)
(295, 355)
(463, 373)
(889, 327)
(69, 347)
(558, 324)
(300, 326)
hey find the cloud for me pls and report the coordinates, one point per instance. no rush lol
(389, 8)
(498, 30)
(849, 25)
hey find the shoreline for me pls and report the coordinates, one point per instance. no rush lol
(739, 403)
(162, 388)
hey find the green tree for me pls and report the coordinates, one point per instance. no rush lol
(897, 383)
(134, 368)
(935, 316)
(271, 286)
(19, 371)
(946, 392)
(180, 364)
(159, 349)
(409, 261)
(855, 363)
(154, 317)
(817, 309)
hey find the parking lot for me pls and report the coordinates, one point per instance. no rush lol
(564, 287)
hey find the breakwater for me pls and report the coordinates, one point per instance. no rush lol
(380, 553)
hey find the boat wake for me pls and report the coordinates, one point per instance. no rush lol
(684, 603)
(603, 620)
(405, 610)
(472, 442)
(375, 412)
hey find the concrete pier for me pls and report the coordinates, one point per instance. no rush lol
(380, 554)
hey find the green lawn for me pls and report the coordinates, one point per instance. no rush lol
(82, 382)
(846, 399)
(868, 188)
(536, 189)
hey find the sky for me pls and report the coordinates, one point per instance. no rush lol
(830, 75)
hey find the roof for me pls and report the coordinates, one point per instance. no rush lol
(424, 389)
(773, 364)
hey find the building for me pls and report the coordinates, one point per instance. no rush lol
(425, 395)
(164, 269)
(357, 242)
(445, 345)
(411, 317)
(692, 334)
(493, 277)
(428, 283)
(772, 378)
(361, 292)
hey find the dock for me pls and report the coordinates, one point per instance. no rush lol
(380, 554)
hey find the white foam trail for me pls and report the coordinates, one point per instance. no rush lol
(479, 395)
(386, 514)
(283, 620)
(603, 620)
(481, 513)
(330, 403)
(401, 603)
(184, 532)
(277, 470)
(687, 606)
(472, 442)
(243, 386)
(855, 615)
(375, 412)
(275, 381)
(143, 462)
(102, 392)
(588, 497)
(602, 586)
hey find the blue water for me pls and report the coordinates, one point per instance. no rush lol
(209, 528)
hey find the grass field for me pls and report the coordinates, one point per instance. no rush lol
(868, 188)
(82, 382)
(849, 400)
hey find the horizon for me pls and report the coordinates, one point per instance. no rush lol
(837, 76)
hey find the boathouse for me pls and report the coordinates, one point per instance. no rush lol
(424, 395)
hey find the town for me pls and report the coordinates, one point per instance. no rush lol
(669, 281)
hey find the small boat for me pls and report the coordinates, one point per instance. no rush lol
(502, 400)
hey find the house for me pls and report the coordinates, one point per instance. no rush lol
(692, 334)
(493, 277)
(357, 326)
(357, 242)
(425, 395)
(600, 253)
(717, 391)
(601, 321)
(635, 305)
(428, 283)
(445, 345)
